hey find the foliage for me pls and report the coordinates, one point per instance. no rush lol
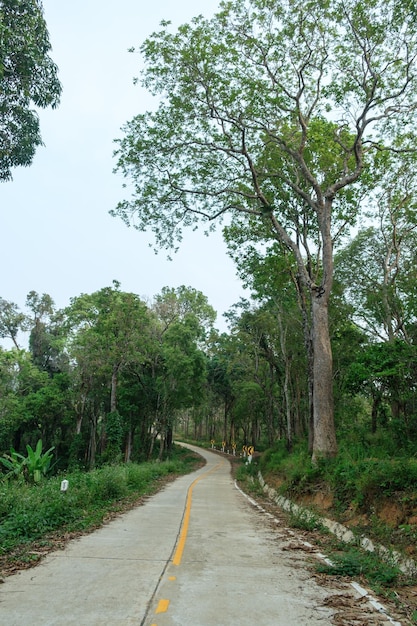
(28, 513)
(305, 520)
(35, 465)
(359, 482)
(14, 462)
(28, 76)
(355, 563)
(355, 479)
(295, 467)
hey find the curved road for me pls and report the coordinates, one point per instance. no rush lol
(195, 554)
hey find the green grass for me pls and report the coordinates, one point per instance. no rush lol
(31, 512)
(353, 478)
(356, 563)
(306, 520)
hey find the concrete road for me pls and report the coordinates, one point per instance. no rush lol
(196, 554)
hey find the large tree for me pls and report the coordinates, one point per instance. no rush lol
(28, 78)
(267, 111)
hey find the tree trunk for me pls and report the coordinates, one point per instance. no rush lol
(92, 442)
(376, 403)
(128, 444)
(161, 444)
(307, 331)
(151, 446)
(225, 422)
(286, 388)
(113, 391)
(324, 441)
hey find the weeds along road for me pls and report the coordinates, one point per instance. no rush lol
(195, 554)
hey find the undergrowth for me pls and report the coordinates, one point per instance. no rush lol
(31, 512)
(355, 480)
(354, 563)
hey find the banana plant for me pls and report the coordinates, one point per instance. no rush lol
(35, 465)
(14, 462)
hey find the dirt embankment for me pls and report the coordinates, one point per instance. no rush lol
(392, 519)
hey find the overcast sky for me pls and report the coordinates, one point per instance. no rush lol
(56, 234)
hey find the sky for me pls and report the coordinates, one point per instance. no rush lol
(57, 236)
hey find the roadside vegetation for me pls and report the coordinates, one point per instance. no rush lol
(36, 517)
(365, 487)
(374, 497)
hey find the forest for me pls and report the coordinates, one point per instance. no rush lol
(112, 378)
(304, 155)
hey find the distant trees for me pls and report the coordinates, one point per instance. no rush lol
(107, 377)
(290, 121)
(12, 321)
(28, 78)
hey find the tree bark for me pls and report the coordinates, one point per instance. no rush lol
(324, 440)
(128, 444)
(113, 391)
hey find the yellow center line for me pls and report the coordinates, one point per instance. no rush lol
(162, 606)
(184, 529)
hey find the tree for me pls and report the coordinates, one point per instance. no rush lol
(179, 371)
(20, 383)
(45, 339)
(28, 76)
(269, 110)
(11, 321)
(109, 331)
(377, 268)
(172, 305)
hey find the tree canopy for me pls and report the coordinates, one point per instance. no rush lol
(28, 79)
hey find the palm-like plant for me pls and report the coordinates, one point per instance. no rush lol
(35, 465)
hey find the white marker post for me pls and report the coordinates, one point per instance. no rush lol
(64, 486)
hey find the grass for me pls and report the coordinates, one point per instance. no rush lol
(305, 520)
(354, 479)
(31, 513)
(353, 562)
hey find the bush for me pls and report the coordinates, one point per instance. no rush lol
(359, 482)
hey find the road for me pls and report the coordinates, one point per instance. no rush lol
(195, 554)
